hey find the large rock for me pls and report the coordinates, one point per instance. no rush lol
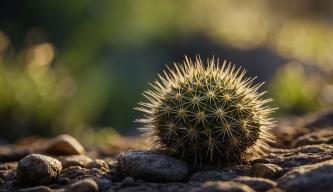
(153, 166)
(317, 137)
(38, 169)
(64, 145)
(305, 155)
(310, 178)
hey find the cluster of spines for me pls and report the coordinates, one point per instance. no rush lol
(207, 114)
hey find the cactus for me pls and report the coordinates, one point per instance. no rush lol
(207, 115)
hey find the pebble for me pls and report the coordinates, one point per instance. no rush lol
(266, 170)
(75, 160)
(153, 166)
(38, 169)
(98, 164)
(64, 145)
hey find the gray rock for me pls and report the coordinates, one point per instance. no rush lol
(316, 137)
(310, 178)
(258, 184)
(85, 185)
(38, 169)
(64, 145)
(152, 166)
(217, 186)
(221, 174)
(304, 155)
(266, 170)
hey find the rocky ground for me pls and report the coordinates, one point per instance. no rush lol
(301, 160)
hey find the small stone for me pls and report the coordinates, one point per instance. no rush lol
(153, 166)
(85, 185)
(64, 145)
(38, 169)
(8, 166)
(73, 172)
(128, 181)
(63, 181)
(266, 170)
(309, 178)
(258, 184)
(36, 189)
(74, 160)
(216, 186)
(99, 164)
(103, 183)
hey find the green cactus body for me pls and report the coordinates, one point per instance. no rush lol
(208, 115)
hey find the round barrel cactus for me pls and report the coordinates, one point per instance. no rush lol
(207, 114)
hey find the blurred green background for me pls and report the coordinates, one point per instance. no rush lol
(79, 66)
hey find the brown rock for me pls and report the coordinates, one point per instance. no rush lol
(266, 170)
(64, 145)
(74, 160)
(98, 164)
(310, 178)
(38, 169)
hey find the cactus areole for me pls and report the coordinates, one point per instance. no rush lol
(207, 114)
